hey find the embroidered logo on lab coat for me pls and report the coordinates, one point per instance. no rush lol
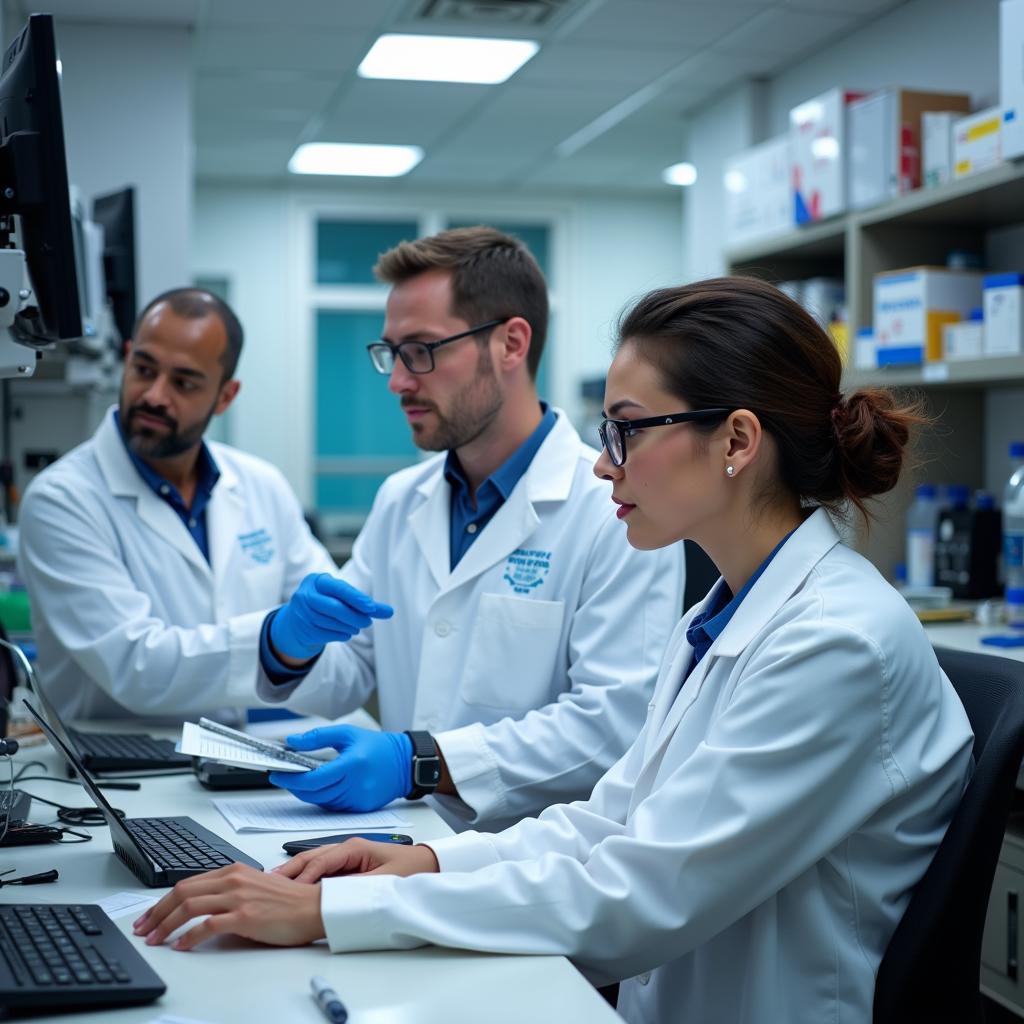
(526, 569)
(258, 545)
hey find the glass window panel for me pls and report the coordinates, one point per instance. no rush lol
(346, 250)
(356, 415)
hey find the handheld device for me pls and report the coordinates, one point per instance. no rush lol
(294, 846)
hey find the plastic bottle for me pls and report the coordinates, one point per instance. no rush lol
(922, 517)
(1013, 537)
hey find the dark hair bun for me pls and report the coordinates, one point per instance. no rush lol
(872, 431)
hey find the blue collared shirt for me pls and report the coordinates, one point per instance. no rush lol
(709, 625)
(194, 518)
(467, 518)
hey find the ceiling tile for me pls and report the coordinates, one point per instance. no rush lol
(345, 14)
(284, 47)
(662, 23)
(124, 12)
(574, 65)
(784, 33)
(861, 8)
(243, 92)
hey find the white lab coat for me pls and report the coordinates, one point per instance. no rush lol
(755, 847)
(533, 661)
(129, 617)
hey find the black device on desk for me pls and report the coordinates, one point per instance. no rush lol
(56, 956)
(294, 846)
(158, 851)
(15, 806)
(216, 775)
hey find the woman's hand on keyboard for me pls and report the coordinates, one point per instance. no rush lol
(239, 900)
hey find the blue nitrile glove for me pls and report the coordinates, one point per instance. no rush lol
(371, 769)
(321, 610)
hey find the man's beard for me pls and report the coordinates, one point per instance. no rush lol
(473, 410)
(149, 445)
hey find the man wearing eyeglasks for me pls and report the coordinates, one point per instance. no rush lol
(507, 657)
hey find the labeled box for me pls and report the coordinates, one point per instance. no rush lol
(937, 146)
(977, 142)
(1011, 76)
(817, 136)
(757, 198)
(885, 141)
(911, 307)
(1004, 315)
(965, 339)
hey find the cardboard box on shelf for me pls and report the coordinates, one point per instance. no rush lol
(1004, 315)
(757, 199)
(817, 134)
(885, 141)
(937, 146)
(977, 142)
(1011, 76)
(911, 306)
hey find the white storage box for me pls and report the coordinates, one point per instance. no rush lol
(758, 204)
(911, 307)
(1004, 315)
(817, 134)
(977, 142)
(885, 141)
(966, 339)
(1011, 76)
(937, 146)
(865, 350)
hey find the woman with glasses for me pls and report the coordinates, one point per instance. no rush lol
(749, 857)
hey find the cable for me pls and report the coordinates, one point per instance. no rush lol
(86, 816)
(10, 800)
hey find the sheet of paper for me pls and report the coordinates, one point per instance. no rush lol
(200, 742)
(121, 904)
(167, 1018)
(285, 813)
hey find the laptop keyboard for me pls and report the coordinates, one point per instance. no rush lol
(56, 947)
(132, 746)
(172, 845)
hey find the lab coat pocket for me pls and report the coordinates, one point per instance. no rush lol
(511, 658)
(262, 587)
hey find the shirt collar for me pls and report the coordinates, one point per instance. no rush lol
(207, 470)
(509, 473)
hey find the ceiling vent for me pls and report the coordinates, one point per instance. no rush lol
(484, 14)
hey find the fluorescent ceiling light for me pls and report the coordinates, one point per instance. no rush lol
(352, 158)
(446, 58)
(679, 174)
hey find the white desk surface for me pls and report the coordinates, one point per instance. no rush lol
(966, 636)
(233, 981)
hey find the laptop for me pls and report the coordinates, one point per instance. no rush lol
(60, 956)
(116, 752)
(158, 851)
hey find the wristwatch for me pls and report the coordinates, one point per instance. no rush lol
(426, 765)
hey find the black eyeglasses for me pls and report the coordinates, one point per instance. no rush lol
(418, 356)
(614, 432)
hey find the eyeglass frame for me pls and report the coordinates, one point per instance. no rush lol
(693, 416)
(430, 346)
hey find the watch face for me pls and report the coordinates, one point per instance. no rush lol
(426, 771)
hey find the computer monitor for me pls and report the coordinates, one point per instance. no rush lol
(34, 203)
(115, 213)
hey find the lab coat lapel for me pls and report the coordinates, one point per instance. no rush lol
(430, 524)
(783, 576)
(124, 481)
(223, 514)
(548, 478)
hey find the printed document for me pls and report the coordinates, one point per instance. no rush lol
(285, 813)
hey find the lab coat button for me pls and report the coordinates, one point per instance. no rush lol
(164, 489)
(471, 528)
(442, 628)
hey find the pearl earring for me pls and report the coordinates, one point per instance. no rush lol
(730, 470)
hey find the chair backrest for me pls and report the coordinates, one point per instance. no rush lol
(701, 574)
(931, 968)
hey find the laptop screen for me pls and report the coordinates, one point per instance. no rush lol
(59, 744)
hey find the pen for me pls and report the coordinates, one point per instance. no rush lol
(327, 999)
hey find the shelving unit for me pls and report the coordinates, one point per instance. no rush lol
(983, 213)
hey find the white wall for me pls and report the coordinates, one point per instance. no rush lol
(126, 96)
(611, 249)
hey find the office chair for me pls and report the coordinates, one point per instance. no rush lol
(930, 970)
(701, 574)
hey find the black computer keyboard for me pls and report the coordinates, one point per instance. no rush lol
(63, 955)
(134, 746)
(173, 845)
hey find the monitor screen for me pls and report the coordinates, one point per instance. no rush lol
(34, 201)
(115, 213)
